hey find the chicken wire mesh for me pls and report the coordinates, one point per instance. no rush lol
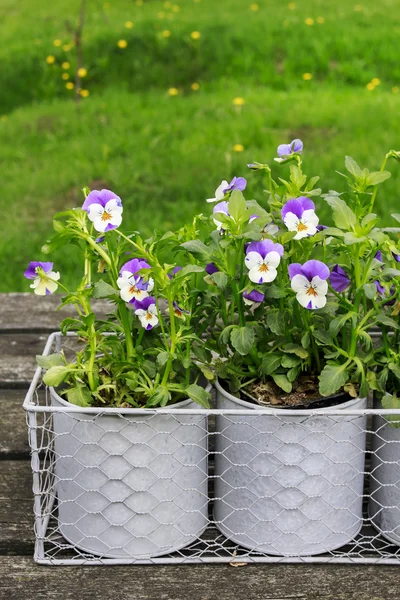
(228, 485)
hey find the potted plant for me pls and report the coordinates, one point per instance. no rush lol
(291, 304)
(128, 485)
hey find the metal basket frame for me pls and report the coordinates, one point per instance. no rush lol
(368, 547)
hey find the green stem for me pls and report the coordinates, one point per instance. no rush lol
(173, 342)
(373, 197)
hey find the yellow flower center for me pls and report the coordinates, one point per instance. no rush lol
(263, 268)
(301, 227)
(149, 316)
(106, 216)
(311, 291)
(133, 289)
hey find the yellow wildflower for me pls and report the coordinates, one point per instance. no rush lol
(50, 60)
(320, 20)
(57, 43)
(122, 43)
(370, 86)
(69, 85)
(358, 7)
(129, 24)
(195, 87)
(65, 76)
(139, 2)
(376, 81)
(67, 47)
(309, 21)
(84, 93)
(238, 148)
(175, 8)
(254, 7)
(195, 35)
(65, 65)
(173, 91)
(292, 6)
(166, 33)
(238, 101)
(307, 76)
(82, 72)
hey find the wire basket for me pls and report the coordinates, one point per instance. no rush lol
(225, 485)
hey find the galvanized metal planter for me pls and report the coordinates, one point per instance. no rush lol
(289, 485)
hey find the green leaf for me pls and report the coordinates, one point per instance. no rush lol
(295, 349)
(305, 340)
(276, 322)
(273, 291)
(237, 207)
(343, 216)
(149, 368)
(283, 382)
(288, 361)
(270, 363)
(160, 397)
(198, 394)
(390, 401)
(332, 378)
(197, 248)
(102, 289)
(225, 334)
(56, 375)
(336, 324)
(323, 336)
(389, 273)
(187, 271)
(370, 290)
(297, 177)
(352, 167)
(350, 238)
(220, 279)
(377, 177)
(386, 320)
(53, 360)
(80, 395)
(242, 339)
(396, 216)
(208, 374)
(162, 358)
(395, 369)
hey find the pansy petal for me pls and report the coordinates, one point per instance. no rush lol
(300, 283)
(314, 268)
(257, 275)
(291, 221)
(294, 269)
(253, 259)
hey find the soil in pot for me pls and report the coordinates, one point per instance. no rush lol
(132, 486)
(289, 485)
(384, 480)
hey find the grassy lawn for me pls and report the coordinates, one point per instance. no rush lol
(165, 154)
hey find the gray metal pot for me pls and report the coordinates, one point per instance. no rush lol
(384, 481)
(132, 486)
(289, 485)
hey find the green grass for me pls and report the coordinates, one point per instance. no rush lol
(164, 155)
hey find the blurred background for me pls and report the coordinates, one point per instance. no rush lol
(161, 100)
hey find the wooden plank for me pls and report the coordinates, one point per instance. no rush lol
(16, 508)
(202, 582)
(18, 361)
(27, 312)
(13, 429)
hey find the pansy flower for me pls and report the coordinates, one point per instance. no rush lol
(396, 256)
(147, 312)
(262, 259)
(180, 312)
(104, 209)
(174, 272)
(253, 297)
(133, 288)
(237, 183)
(299, 215)
(339, 279)
(44, 278)
(211, 268)
(309, 283)
(285, 151)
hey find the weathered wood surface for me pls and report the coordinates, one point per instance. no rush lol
(23, 318)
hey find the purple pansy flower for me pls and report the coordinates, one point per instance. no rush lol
(211, 268)
(237, 183)
(309, 283)
(104, 209)
(321, 227)
(262, 259)
(379, 287)
(133, 288)
(284, 150)
(174, 272)
(253, 297)
(299, 215)
(146, 310)
(339, 279)
(44, 278)
(396, 256)
(378, 256)
(180, 312)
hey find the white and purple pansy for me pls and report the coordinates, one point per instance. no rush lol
(253, 297)
(237, 183)
(146, 310)
(104, 209)
(262, 259)
(309, 283)
(286, 150)
(221, 207)
(299, 215)
(44, 278)
(133, 288)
